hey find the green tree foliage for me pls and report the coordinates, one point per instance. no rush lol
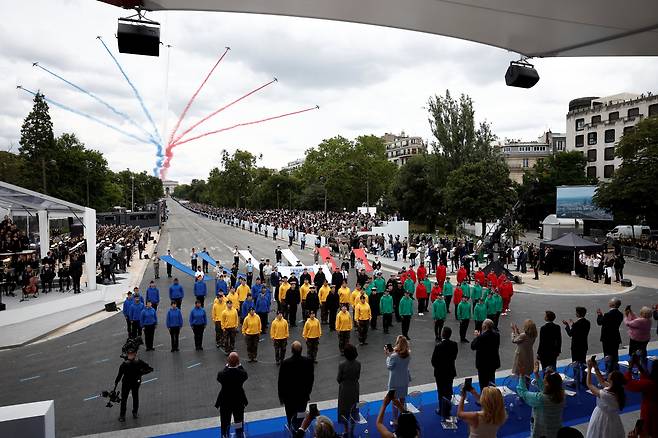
(37, 144)
(480, 191)
(631, 193)
(196, 191)
(538, 190)
(457, 138)
(231, 184)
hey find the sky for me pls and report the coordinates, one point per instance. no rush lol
(366, 80)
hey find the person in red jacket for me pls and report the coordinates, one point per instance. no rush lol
(441, 274)
(506, 292)
(480, 278)
(402, 275)
(436, 291)
(421, 295)
(493, 280)
(457, 298)
(502, 278)
(412, 274)
(647, 384)
(461, 275)
(421, 272)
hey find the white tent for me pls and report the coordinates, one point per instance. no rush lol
(534, 28)
(23, 202)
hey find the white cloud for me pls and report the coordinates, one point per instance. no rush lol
(367, 80)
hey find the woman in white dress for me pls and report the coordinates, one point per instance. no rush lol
(605, 421)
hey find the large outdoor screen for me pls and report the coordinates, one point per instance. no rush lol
(575, 202)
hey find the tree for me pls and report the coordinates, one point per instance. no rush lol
(631, 192)
(231, 184)
(480, 191)
(538, 190)
(37, 143)
(12, 168)
(457, 139)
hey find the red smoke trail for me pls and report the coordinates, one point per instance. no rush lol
(189, 103)
(169, 154)
(214, 113)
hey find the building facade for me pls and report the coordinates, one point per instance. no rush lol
(293, 165)
(596, 124)
(400, 148)
(521, 156)
(168, 186)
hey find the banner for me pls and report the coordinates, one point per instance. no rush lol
(575, 202)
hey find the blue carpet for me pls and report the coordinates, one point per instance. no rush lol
(577, 411)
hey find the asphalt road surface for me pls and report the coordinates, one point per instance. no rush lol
(74, 368)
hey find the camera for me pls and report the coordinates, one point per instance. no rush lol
(113, 396)
(132, 344)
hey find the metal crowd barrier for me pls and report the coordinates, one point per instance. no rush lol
(640, 254)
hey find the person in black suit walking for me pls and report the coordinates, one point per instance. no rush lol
(550, 342)
(487, 359)
(578, 331)
(296, 377)
(231, 400)
(610, 337)
(443, 362)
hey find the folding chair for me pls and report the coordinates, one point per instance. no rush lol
(356, 418)
(238, 430)
(414, 402)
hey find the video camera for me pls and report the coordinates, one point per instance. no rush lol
(132, 344)
(113, 396)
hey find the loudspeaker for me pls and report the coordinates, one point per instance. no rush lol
(626, 282)
(139, 39)
(3, 306)
(521, 75)
(111, 307)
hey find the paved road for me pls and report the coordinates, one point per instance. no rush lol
(74, 368)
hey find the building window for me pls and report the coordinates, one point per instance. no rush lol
(608, 171)
(580, 141)
(653, 110)
(613, 116)
(609, 136)
(591, 172)
(628, 129)
(591, 138)
(591, 155)
(526, 163)
(609, 153)
(596, 119)
(633, 112)
(580, 124)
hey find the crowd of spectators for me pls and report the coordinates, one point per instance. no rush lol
(12, 239)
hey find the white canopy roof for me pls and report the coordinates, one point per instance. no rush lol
(19, 199)
(534, 28)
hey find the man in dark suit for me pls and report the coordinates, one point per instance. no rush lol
(578, 331)
(550, 342)
(231, 399)
(610, 337)
(487, 359)
(443, 362)
(296, 377)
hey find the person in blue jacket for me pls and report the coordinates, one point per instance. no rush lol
(153, 295)
(126, 310)
(137, 294)
(198, 322)
(200, 290)
(256, 288)
(147, 321)
(174, 324)
(248, 304)
(176, 293)
(263, 302)
(220, 285)
(135, 314)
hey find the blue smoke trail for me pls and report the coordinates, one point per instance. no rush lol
(88, 116)
(159, 152)
(101, 101)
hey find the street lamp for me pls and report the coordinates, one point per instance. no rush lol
(43, 172)
(277, 195)
(132, 193)
(323, 180)
(87, 166)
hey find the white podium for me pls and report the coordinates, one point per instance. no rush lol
(36, 420)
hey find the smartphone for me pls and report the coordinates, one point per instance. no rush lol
(639, 425)
(593, 358)
(391, 394)
(313, 410)
(389, 347)
(468, 384)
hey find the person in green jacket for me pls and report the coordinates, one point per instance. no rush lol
(464, 317)
(476, 292)
(379, 283)
(428, 285)
(386, 309)
(406, 309)
(447, 292)
(439, 312)
(490, 304)
(479, 314)
(499, 307)
(466, 289)
(409, 286)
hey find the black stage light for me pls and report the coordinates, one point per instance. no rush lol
(521, 74)
(139, 37)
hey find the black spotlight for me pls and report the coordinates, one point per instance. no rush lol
(521, 74)
(139, 37)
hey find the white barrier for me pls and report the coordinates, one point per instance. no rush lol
(34, 420)
(290, 256)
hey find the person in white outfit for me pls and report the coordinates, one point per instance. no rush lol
(605, 421)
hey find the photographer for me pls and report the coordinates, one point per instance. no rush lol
(130, 375)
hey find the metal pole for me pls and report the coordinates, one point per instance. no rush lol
(277, 199)
(43, 175)
(132, 194)
(290, 200)
(367, 196)
(325, 199)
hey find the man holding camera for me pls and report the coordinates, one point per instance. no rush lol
(130, 375)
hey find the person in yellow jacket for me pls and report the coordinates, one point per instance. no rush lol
(230, 321)
(344, 295)
(324, 293)
(362, 316)
(232, 296)
(343, 327)
(251, 328)
(303, 292)
(283, 290)
(312, 333)
(242, 291)
(218, 306)
(279, 334)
